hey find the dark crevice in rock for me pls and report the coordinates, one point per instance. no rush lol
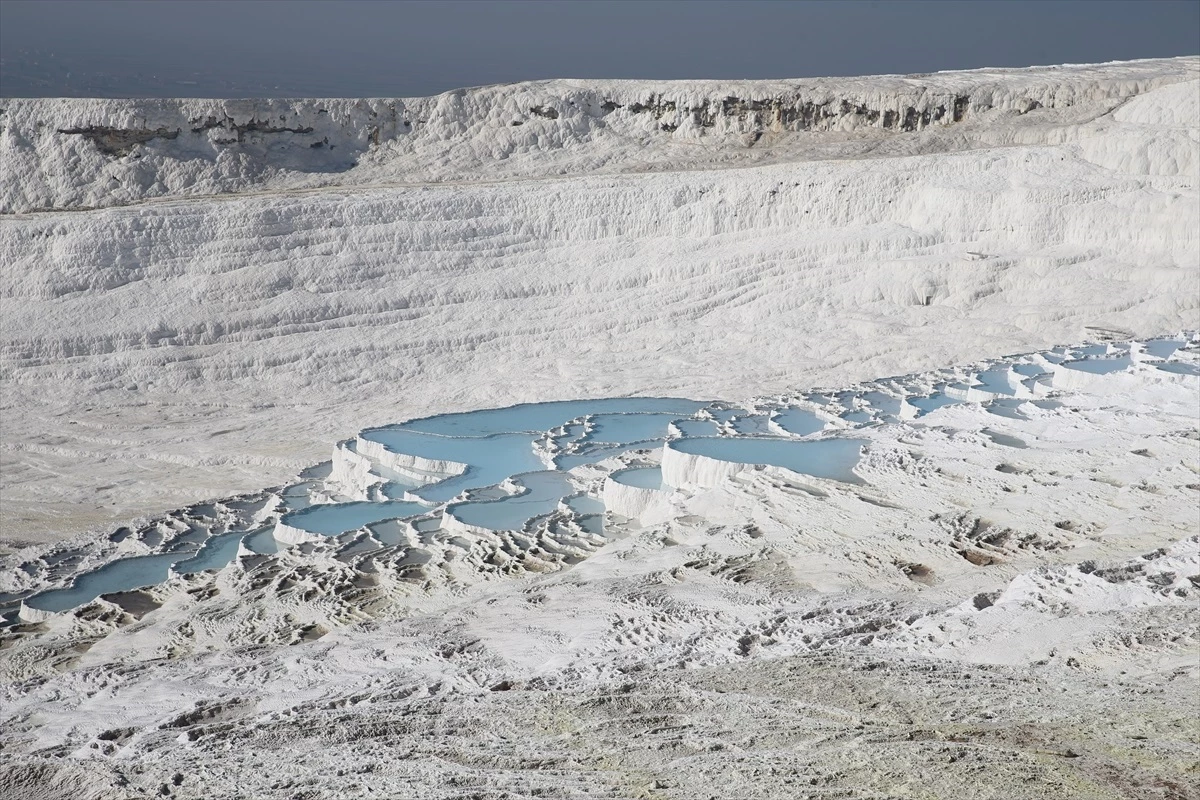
(253, 126)
(961, 104)
(792, 114)
(657, 106)
(119, 141)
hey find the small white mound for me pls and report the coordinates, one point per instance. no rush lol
(1153, 134)
(1174, 106)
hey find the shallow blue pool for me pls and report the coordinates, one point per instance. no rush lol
(995, 381)
(127, 574)
(1004, 439)
(625, 428)
(1029, 370)
(884, 403)
(933, 402)
(641, 477)
(1162, 348)
(123, 575)
(697, 427)
(1100, 366)
(598, 452)
(826, 458)
(586, 505)
(263, 542)
(331, 519)
(753, 425)
(590, 511)
(539, 417)
(544, 491)
(490, 459)
(1180, 368)
(799, 421)
(1010, 408)
(218, 551)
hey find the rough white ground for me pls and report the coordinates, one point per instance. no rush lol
(174, 347)
(1004, 608)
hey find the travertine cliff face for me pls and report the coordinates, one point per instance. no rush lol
(63, 154)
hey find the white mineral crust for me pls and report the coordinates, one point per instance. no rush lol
(200, 298)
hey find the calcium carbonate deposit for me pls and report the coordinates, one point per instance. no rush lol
(576, 439)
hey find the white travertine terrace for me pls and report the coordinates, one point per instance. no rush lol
(198, 297)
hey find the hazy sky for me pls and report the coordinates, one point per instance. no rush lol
(219, 48)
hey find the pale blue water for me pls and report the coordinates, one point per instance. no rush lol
(590, 455)
(575, 430)
(727, 414)
(540, 417)
(625, 428)
(586, 504)
(218, 551)
(491, 459)
(1163, 348)
(427, 525)
(885, 403)
(1180, 368)
(295, 497)
(933, 402)
(995, 381)
(397, 484)
(697, 427)
(1004, 439)
(641, 477)
(753, 425)
(546, 489)
(330, 519)
(1100, 366)
(122, 575)
(592, 523)
(591, 512)
(1006, 408)
(799, 421)
(827, 458)
(263, 542)
(387, 532)
(394, 490)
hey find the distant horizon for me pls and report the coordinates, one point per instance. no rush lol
(229, 50)
(1031, 67)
